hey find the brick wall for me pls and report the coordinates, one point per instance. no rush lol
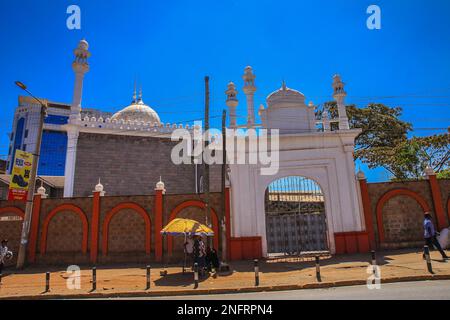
(129, 165)
(195, 213)
(11, 230)
(402, 215)
(126, 240)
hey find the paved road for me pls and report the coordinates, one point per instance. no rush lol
(434, 290)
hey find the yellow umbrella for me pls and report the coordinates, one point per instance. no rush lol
(185, 227)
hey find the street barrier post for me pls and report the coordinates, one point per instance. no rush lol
(256, 272)
(318, 269)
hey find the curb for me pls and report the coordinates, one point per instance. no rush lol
(317, 285)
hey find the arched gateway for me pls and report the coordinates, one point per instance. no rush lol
(285, 210)
(295, 216)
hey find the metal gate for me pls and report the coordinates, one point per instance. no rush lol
(295, 217)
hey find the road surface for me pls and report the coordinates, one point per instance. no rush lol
(434, 290)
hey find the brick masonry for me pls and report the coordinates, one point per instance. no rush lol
(130, 165)
(402, 215)
(11, 230)
(126, 238)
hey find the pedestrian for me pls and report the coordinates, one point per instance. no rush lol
(430, 235)
(5, 254)
(202, 256)
(212, 259)
(189, 250)
(196, 249)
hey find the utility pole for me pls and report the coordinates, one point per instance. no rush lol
(29, 206)
(205, 162)
(224, 176)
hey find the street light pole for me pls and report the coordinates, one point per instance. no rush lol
(29, 206)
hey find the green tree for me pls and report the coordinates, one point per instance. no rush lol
(384, 142)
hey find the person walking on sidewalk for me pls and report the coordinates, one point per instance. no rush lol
(430, 235)
(5, 254)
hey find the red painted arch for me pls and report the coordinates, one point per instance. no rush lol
(201, 205)
(15, 210)
(65, 207)
(126, 205)
(391, 194)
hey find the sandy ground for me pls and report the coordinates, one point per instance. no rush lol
(116, 279)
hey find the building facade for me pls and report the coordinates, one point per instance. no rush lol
(313, 202)
(24, 131)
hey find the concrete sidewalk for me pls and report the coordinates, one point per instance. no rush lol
(113, 281)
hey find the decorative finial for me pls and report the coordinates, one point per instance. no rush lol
(99, 186)
(41, 191)
(160, 186)
(140, 95)
(283, 85)
(360, 175)
(429, 171)
(134, 93)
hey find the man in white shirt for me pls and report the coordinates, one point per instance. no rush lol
(4, 254)
(189, 245)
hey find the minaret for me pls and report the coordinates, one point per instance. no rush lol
(339, 95)
(232, 103)
(80, 66)
(249, 90)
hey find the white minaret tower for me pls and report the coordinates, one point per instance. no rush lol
(339, 95)
(80, 66)
(249, 90)
(232, 103)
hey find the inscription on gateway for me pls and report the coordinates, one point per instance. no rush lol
(10, 218)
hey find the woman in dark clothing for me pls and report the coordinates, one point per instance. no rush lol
(212, 260)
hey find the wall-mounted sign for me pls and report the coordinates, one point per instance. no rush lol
(10, 218)
(20, 176)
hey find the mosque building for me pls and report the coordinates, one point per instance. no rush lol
(312, 201)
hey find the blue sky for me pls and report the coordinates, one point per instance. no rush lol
(169, 46)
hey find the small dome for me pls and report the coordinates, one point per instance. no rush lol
(285, 93)
(41, 190)
(360, 175)
(137, 111)
(160, 186)
(99, 186)
(429, 171)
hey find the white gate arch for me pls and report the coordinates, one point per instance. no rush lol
(331, 167)
(319, 149)
(295, 217)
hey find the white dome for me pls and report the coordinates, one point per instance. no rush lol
(284, 104)
(285, 94)
(137, 111)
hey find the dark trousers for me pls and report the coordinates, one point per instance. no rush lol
(1, 267)
(433, 242)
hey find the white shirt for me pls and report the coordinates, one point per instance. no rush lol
(189, 245)
(3, 252)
